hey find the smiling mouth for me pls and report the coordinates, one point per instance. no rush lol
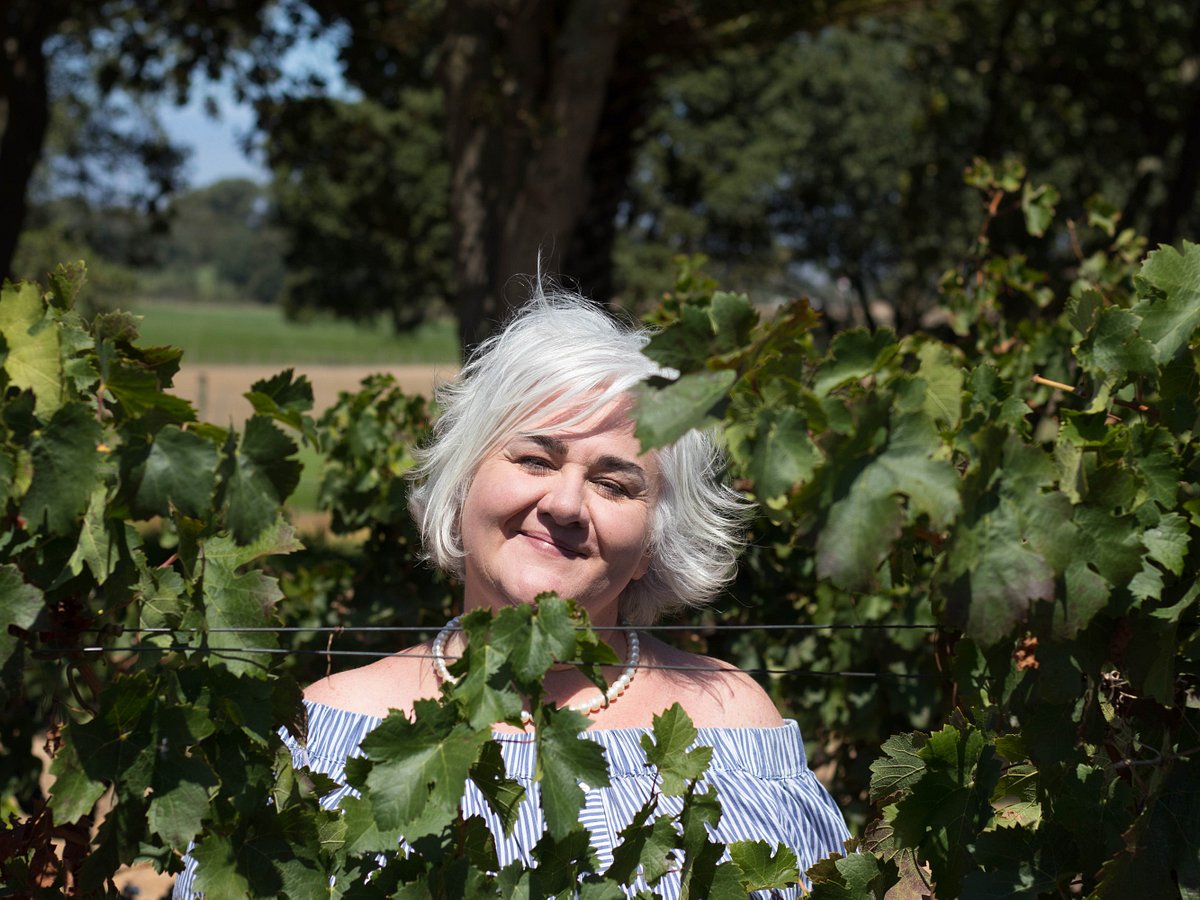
(550, 542)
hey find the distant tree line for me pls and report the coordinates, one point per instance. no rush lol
(819, 149)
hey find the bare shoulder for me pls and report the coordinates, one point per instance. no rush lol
(714, 693)
(395, 682)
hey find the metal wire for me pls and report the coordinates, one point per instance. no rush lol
(52, 652)
(418, 629)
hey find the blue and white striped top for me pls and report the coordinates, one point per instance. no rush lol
(766, 789)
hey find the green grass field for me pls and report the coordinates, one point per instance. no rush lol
(249, 334)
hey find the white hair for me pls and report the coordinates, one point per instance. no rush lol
(561, 360)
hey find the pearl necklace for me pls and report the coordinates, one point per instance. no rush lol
(596, 703)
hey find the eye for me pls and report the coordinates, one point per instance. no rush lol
(536, 464)
(612, 488)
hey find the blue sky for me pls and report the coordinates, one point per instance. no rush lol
(217, 143)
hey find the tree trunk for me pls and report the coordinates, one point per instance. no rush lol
(23, 85)
(525, 84)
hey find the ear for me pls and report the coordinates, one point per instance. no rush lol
(643, 566)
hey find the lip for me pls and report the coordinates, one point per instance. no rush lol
(546, 541)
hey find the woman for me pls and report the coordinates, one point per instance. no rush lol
(535, 482)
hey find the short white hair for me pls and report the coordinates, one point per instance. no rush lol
(561, 359)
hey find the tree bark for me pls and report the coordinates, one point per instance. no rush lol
(23, 85)
(526, 83)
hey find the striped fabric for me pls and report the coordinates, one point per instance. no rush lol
(762, 778)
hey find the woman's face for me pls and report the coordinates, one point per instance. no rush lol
(569, 512)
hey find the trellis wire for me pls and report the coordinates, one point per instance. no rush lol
(53, 652)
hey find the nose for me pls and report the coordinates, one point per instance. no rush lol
(565, 500)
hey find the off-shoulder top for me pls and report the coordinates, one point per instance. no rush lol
(766, 789)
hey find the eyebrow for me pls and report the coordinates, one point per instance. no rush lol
(606, 463)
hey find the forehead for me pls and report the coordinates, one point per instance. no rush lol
(581, 421)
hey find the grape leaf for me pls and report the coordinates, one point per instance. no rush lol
(667, 411)
(233, 601)
(859, 876)
(179, 470)
(533, 640)
(1162, 853)
(1171, 315)
(1037, 204)
(948, 804)
(783, 454)
(283, 397)
(853, 355)
(673, 734)
(1167, 542)
(20, 604)
(74, 793)
(180, 799)
(899, 768)
(99, 544)
(420, 769)
(139, 392)
(217, 872)
(997, 576)
(263, 473)
(565, 759)
(65, 463)
(943, 377)
(648, 847)
(684, 345)
(33, 345)
(763, 868)
(503, 794)
(1115, 347)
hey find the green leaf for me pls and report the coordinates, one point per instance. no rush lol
(783, 454)
(100, 540)
(648, 847)
(264, 474)
(139, 392)
(761, 868)
(180, 799)
(33, 345)
(948, 804)
(859, 876)
(1014, 863)
(667, 411)
(1015, 797)
(20, 604)
(65, 466)
(1171, 314)
(1037, 203)
(997, 576)
(943, 377)
(1115, 346)
(673, 734)
(179, 470)
(900, 766)
(66, 281)
(853, 355)
(863, 525)
(503, 794)
(564, 759)
(1167, 542)
(217, 872)
(283, 397)
(1087, 593)
(685, 345)
(233, 601)
(74, 793)
(733, 318)
(420, 769)
(1162, 853)
(533, 640)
